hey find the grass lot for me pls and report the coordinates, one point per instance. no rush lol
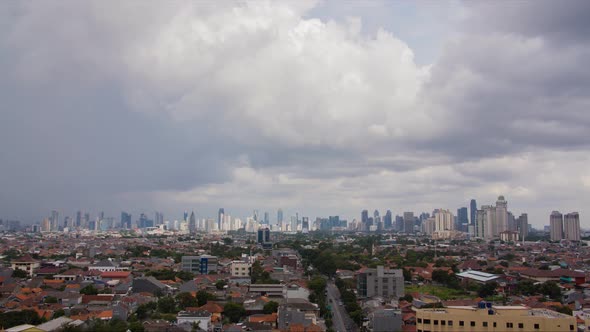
(441, 292)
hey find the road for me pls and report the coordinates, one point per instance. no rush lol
(342, 322)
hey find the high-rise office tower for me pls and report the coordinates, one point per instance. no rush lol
(522, 226)
(192, 223)
(571, 226)
(86, 220)
(54, 220)
(266, 218)
(255, 216)
(78, 219)
(473, 208)
(220, 215)
(305, 223)
(501, 215)
(159, 218)
(125, 220)
(68, 222)
(364, 217)
(409, 222)
(280, 218)
(388, 220)
(556, 226)
(462, 219)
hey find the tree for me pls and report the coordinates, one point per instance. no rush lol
(408, 297)
(407, 274)
(185, 299)
(167, 305)
(234, 311)
(89, 290)
(50, 299)
(14, 318)
(270, 307)
(220, 284)
(551, 289)
(488, 289)
(18, 273)
(203, 297)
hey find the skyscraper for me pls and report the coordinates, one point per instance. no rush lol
(409, 222)
(556, 226)
(462, 219)
(443, 220)
(266, 218)
(501, 215)
(220, 215)
(473, 207)
(125, 220)
(78, 219)
(280, 218)
(388, 220)
(54, 220)
(365, 220)
(522, 226)
(571, 226)
(192, 223)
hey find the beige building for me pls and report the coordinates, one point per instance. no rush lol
(495, 318)
(240, 269)
(571, 226)
(25, 263)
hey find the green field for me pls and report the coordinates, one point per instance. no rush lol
(441, 292)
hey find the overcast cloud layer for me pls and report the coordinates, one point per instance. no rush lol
(179, 106)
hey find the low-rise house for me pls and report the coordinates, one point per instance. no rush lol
(201, 318)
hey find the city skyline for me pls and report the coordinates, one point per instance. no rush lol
(317, 107)
(461, 217)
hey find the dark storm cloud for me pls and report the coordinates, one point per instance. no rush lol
(560, 22)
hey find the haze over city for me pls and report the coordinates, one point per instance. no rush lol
(317, 107)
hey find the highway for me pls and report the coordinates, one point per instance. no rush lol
(342, 322)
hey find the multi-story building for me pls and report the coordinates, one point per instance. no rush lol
(473, 208)
(443, 220)
(380, 282)
(556, 226)
(501, 215)
(240, 269)
(25, 263)
(571, 226)
(428, 226)
(486, 317)
(462, 219)
(204, 264)
(522, 226)
(409, 222)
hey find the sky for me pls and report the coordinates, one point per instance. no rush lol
(317, 107)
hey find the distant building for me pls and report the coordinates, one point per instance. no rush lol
(473, 208)
(126, 220)
(509, 236)
(462, 219)
(522, 226)
(556, 226)
(571, 226)
(443, 220)
(388, 220)
(220, 215)
(204, 264)
(409, 222)
(263, 235)
(381, 282)
(496, 318)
